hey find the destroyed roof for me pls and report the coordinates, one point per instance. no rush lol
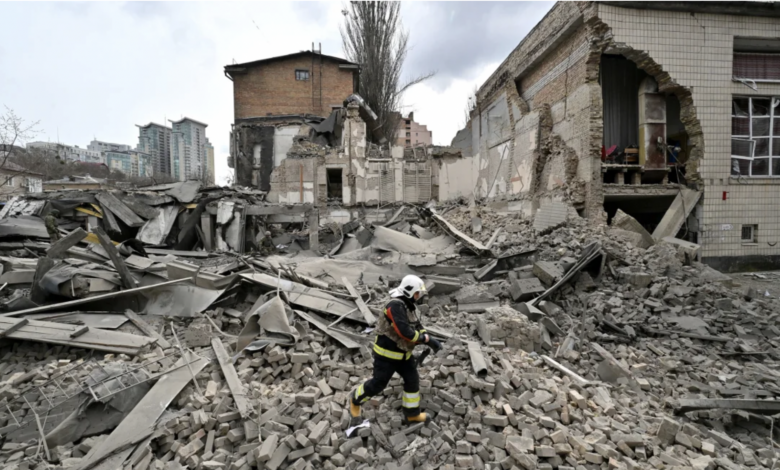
(11, 166)
(240, 67)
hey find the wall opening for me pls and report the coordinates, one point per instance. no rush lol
(648, 210)
(334, 183)
(620, 79)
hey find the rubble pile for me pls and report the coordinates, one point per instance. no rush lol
(564, 347)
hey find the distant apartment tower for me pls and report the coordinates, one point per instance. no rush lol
(188, 149)
(70, 152)
(210, 162)
(100, 146)
(155, 140)
(132, 163)
(413, 134)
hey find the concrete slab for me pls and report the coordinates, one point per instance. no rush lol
(675, 216)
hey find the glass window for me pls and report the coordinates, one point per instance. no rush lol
(301, 74)
(755, 136)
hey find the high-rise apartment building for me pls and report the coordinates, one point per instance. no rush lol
(188, 149)
(155, 139)
(210, 161)
(132, 163)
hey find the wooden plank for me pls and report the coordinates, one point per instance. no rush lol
(89, 212)
(10, 329)
(61, 246)
(124, 213)
(147, 329)
(574, 376)
(185, 254)
(79, 331)
(756, 406)
(124, 274)
(60, 333)
(110, 223)
(370, 318)
(235, 385)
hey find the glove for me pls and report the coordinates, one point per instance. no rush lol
(434, 344)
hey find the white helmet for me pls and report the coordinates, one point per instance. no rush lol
(410, 285)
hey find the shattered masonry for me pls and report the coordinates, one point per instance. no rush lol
(545, 117)
(565, 345)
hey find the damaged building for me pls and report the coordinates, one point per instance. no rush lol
(663, 110)
(301, 134)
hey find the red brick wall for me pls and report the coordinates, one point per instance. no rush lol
(271, 89)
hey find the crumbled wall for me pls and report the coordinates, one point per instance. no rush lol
(693, 60)
(249, 172)
(533, 134)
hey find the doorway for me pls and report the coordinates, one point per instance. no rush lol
(334, 183)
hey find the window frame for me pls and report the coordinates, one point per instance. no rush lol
(753, 240)
(301, 71)
(774, 122)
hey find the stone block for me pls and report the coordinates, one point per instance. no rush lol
(549, 272)
(668, 430)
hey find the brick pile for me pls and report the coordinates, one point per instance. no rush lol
(588, 379)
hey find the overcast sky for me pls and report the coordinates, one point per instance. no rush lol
(95, 70)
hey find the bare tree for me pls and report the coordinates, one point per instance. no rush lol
(373, 37)
(14, 132)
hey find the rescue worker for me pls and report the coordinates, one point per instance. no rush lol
(398, 332)
(51, 225)
(267, 246)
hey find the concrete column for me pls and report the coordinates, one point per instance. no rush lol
(314, 229)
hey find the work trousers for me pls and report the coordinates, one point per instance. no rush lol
(383, 372)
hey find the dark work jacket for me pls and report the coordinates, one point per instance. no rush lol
(398, 329)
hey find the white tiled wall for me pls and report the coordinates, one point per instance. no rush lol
(696, 50)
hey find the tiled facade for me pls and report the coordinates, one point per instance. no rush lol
(544, 103)
(697, 52)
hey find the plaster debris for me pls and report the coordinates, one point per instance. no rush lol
(571, 348)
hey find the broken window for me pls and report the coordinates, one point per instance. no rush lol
(755, 136)
(301, 74)
(334, 183)
(750, 234)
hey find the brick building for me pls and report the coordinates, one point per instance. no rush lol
(272, 98)
(295, 84)
(665, 110)
(410, 133)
